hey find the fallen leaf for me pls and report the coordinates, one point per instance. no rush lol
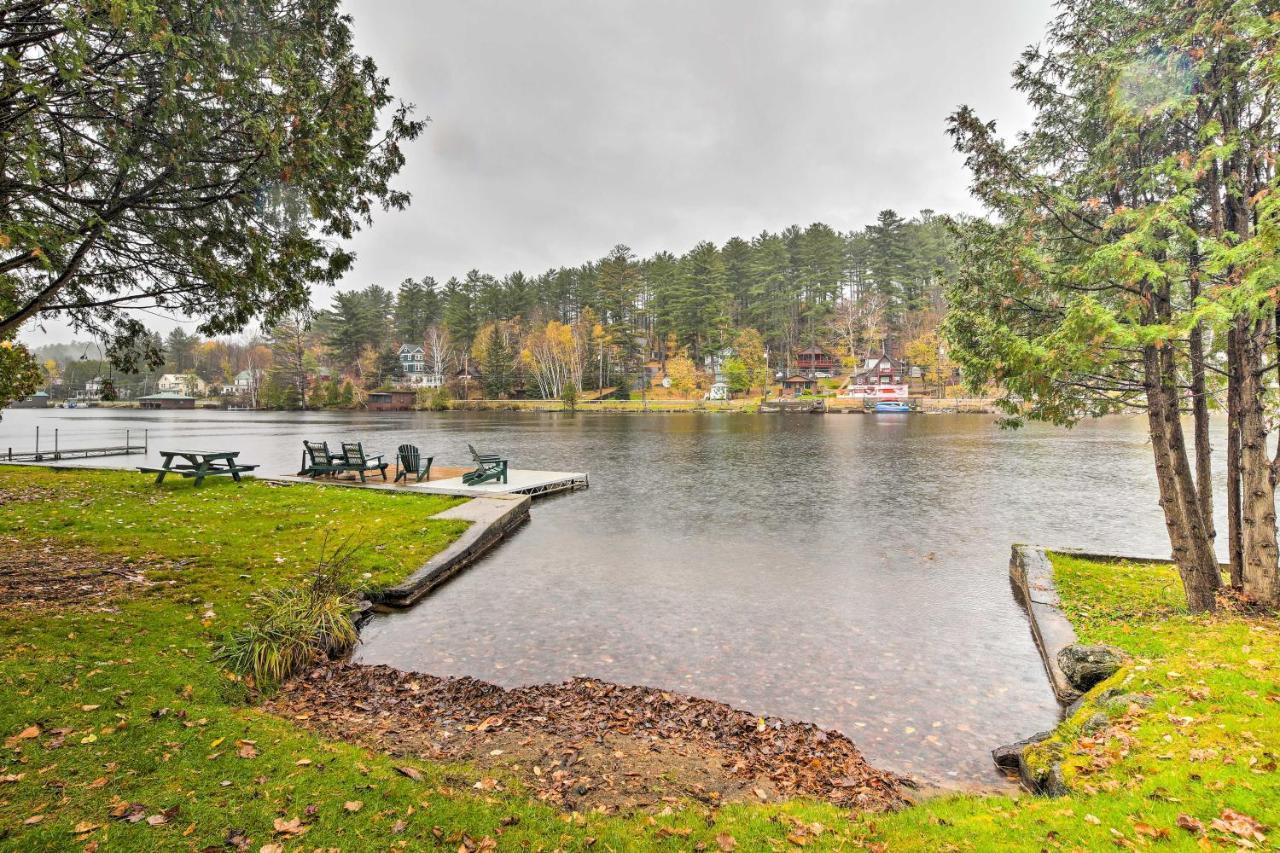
(353, 805)
(85, 826)
(1093, 819)
(1239, 824)
(726, 841)
(411, 772)
(33, 820)
(89, 707)
(291, 828)
(1190, 824)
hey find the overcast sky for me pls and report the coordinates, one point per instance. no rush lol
(561, 128)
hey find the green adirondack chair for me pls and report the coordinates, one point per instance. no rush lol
(354, 459)
(488, 467)
(409, 461)
(318, 460)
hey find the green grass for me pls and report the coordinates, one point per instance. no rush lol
(144, 716)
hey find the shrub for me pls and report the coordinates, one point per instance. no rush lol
(439, 399)
(297, 624)
(569, 397)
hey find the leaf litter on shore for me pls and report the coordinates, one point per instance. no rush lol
(586, 744)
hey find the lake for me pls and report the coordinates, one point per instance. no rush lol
(847, 570)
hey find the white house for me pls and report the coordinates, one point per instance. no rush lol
(182, 383)
(245, 382)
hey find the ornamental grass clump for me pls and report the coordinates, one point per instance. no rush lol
(295, 625)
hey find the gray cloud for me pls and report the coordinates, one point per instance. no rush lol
(561, 128)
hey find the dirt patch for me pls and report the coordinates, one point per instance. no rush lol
(43, 572)
(591, 745)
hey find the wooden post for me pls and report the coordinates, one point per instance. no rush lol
(55, 442)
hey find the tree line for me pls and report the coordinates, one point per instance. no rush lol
(879, 286)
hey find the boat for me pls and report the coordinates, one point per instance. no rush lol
(890, 407)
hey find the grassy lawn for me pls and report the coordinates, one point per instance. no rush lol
(119, 709)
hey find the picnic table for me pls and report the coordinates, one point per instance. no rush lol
(198, 464)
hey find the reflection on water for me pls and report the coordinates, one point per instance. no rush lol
(847, 570)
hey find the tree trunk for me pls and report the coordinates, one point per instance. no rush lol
(1235, 533)
(1191, 545)
(1258, 492)
(1200, 411)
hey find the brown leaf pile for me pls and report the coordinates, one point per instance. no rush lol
(586, 743)
(44, 572)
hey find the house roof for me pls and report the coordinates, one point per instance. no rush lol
(796, 378)
(812, 350)
(167, 395)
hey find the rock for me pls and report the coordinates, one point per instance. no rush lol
(1087, 665)
(1010, 757)
(1095, 724)
(1049, 783)
(1122, 701)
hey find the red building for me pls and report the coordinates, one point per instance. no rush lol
(815, 359)
(391, 401)
(880, 371)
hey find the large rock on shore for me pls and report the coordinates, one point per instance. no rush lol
(1046, 780)
(1087, 665)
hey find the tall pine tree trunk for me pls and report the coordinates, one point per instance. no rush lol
(1258, 492)
(1188, 537)
(1200, 410)
(1235, 530)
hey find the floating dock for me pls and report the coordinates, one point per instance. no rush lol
(533, 483)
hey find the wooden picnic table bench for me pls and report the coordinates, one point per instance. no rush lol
(198, 464)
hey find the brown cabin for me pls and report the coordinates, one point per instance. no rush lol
(815, 359)
(391, 401)
(796, 384)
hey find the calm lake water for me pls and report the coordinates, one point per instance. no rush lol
(846, 570)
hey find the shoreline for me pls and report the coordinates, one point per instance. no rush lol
(750, 406)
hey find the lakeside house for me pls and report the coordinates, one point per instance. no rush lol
(797, 384)
(413, 364)
(38, 400)
(881, 370)
(244, 382)
(813, 360)
(167, 400)
(391, 401)
(879, 379)
(182, 383)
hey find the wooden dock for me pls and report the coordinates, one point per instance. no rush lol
(533, 483)
(57, 453)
